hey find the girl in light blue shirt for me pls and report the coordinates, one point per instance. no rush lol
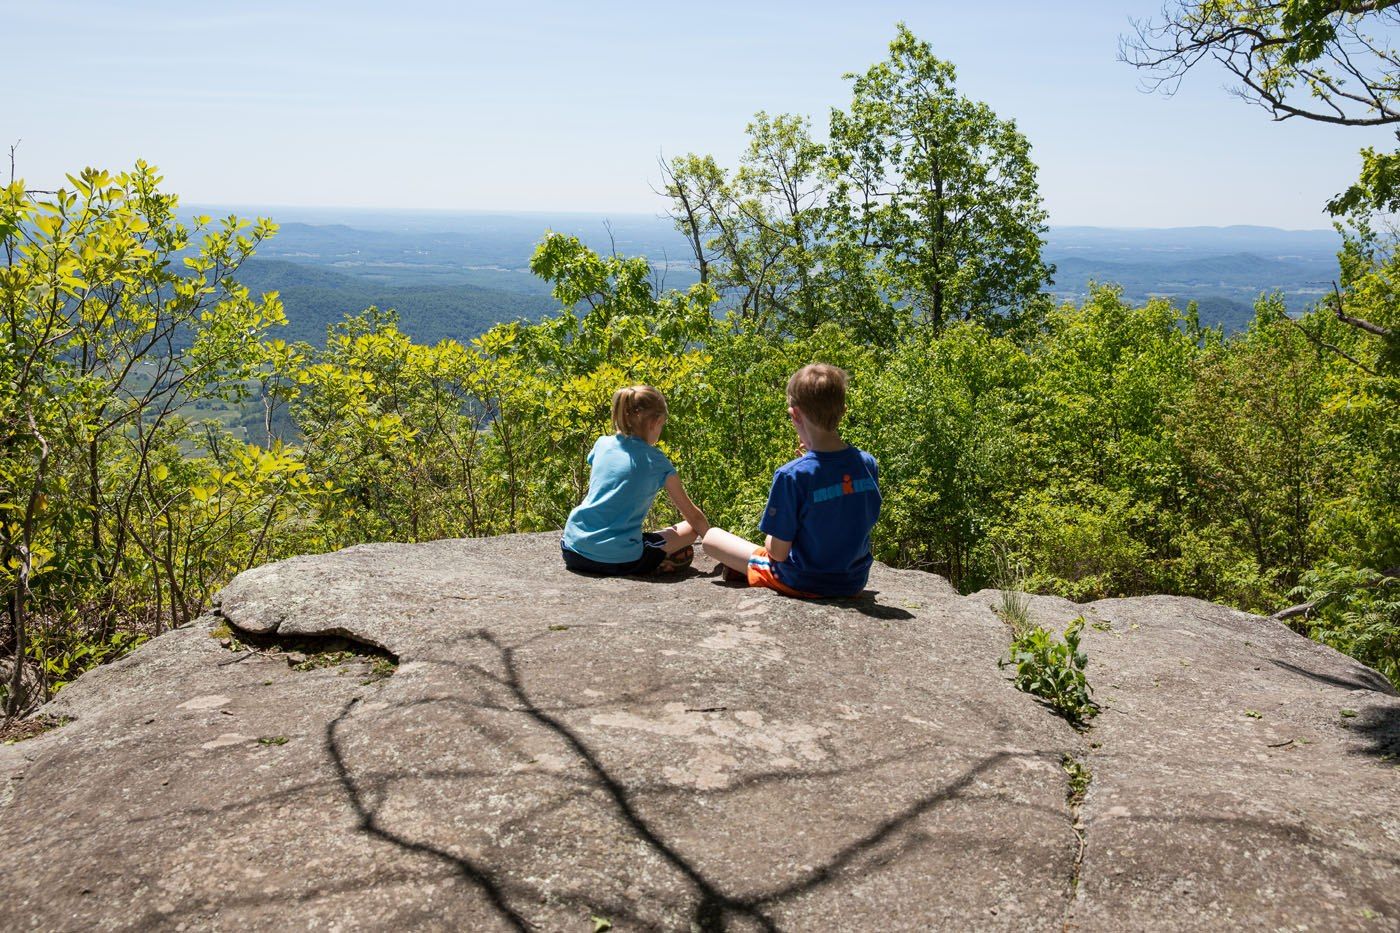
(604, 534)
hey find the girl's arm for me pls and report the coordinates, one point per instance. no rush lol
(689, 511)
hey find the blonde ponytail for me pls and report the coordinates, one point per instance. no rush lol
(636, 408)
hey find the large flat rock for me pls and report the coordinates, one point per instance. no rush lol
(679, 754)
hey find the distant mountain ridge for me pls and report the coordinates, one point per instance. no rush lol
(453, 274)
(316, 297)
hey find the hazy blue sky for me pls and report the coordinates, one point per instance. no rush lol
(566, 105)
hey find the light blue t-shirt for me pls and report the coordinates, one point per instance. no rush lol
(627, 474)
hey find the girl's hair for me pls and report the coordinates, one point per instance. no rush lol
(635, 408)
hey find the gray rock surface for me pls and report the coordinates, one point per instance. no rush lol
(678, 754)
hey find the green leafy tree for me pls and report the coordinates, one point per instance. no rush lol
(941, 420)
(939, 189)
(116, 317)
(1100, 477)
(923, 205)
(1258, 451)
(762, 235)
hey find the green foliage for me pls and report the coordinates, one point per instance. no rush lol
(1257, 445)
(322, 659)
(946, 189)
(379, 669)
(923, 206)
(1054, 671)
(943, 422)
(1376, 189)
(1080, 777)
(116, 318)
(1356, 611)
(62, 661)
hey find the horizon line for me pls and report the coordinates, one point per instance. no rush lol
(521, 212)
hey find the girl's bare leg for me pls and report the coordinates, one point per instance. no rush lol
(729, 549)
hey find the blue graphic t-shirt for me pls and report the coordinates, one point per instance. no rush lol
(825, 504)
(627, 474)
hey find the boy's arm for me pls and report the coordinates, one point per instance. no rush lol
(675, 491)
(779, 522)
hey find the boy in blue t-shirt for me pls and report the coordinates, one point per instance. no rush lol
(821, 506)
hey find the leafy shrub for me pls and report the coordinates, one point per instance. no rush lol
(1356, 611)
(1054, 671)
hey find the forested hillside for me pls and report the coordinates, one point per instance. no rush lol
(1101, 447)
(1222, 269)
(313, 298)
(1224, 287)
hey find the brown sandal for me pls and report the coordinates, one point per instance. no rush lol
(677, 561)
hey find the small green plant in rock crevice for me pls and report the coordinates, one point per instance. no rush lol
(379, 669)
(227, 638)
(1054, 671)
(1079, 779)
(320, 659)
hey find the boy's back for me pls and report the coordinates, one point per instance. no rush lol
(825, 503)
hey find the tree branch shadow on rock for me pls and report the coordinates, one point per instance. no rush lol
(476, 875)
(1366, 679)
(1380, 727)
(712, 907)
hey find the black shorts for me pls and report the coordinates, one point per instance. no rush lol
(653, 553)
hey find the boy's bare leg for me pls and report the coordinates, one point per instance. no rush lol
(729, 549)
(678, 536)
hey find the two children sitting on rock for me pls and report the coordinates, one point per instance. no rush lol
(820, 510)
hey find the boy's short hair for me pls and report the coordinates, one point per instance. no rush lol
(819, 391)
(636, 408)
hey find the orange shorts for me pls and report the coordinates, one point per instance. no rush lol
(761, 574)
